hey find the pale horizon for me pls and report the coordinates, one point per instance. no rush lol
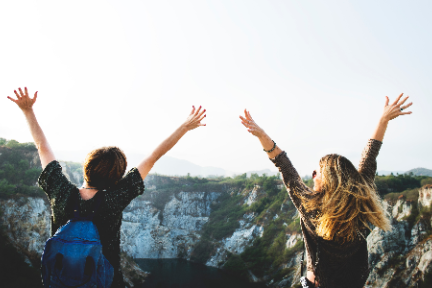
(313, 74)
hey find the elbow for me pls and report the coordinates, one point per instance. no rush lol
(42, 147)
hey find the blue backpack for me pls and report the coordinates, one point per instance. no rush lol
(73, 256)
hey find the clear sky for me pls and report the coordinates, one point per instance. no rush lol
(313, 74)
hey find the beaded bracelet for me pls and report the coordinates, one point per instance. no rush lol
(274, 146)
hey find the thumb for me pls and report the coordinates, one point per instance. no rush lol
(11, 99)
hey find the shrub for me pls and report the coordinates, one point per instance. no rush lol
(202, 251)
(426, 181)
(410, 195)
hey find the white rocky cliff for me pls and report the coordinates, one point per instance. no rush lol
(402, 257)
(169, 233)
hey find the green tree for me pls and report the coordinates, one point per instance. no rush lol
(6, 188)
(426, 181)
(12, 144)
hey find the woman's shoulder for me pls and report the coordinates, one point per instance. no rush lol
(53, 181)
(128, 188)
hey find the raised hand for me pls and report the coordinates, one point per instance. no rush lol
(251, 125)
(25, 103)
(396, 108)
(23, 100)
(390, 112)
(195, 118)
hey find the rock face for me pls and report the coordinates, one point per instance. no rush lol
(146, 231)
(27, 222)
(253, 196)
(169, 233)
(402, 208)
(402, 256)
(425, 196)
(292, 240)
(236, 243)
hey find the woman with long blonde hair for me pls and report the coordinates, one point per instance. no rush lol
(337, 214)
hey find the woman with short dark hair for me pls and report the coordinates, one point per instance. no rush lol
(336, 214)
(103, 173)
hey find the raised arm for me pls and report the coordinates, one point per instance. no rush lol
(292, 180)
(368, 163)
(192, 122)
(25, 103)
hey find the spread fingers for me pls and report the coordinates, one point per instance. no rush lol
(403, 101)
(406, 106)
(397, 99)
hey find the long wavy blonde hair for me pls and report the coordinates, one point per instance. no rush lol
(347, 203)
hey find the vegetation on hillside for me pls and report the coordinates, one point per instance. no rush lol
(18, 172)
(399, 183)
(273, 209)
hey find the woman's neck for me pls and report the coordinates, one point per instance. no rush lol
(87, 192)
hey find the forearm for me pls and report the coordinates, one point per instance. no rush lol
(192, 122)
(292, 180)
(35, 129)
(380, 130)
(268, 144)
(45, 153)
(145, 166)
(168, 143)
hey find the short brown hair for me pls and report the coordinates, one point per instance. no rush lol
(104, 167)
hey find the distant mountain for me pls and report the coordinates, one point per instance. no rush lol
(385, 172)
(172, 166)
(166, 165)
(178, 167)
(420, 172)
(415, 171)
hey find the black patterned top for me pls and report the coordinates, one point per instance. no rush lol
(61, 193)
(338, 265)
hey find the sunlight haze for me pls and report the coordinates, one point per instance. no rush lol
(314, 75)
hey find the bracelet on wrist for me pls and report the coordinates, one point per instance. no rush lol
(271, 150)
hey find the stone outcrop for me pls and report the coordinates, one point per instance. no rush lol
(236, 243)
(425, 196)
(402, 256)
(27, 222)
(253, 195)
(169, 233)
(402, 208)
